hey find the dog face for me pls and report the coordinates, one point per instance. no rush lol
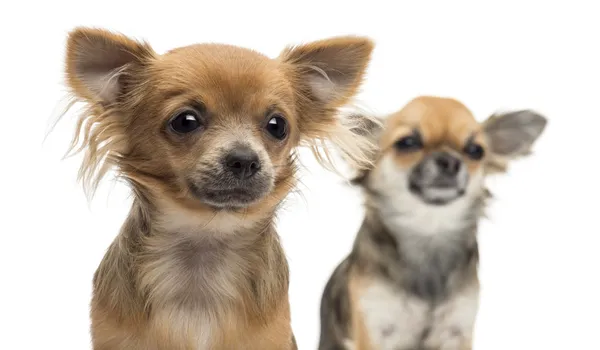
(209, 126)
(436, 147)
(225, 131)
(433, 153)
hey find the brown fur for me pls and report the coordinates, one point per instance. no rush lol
(183, 274)
(444, 123)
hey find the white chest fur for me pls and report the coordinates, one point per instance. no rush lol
(392, 318)
(395, 319)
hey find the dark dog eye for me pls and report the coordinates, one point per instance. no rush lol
(185, 122)
(277, 127)
(474, 151)
(408, 143)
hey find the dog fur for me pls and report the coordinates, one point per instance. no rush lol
(410, 282)
(194, 267)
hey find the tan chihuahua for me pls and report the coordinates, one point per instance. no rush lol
(205, 135)
(410, 282)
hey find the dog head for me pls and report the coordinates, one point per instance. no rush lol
(209, 126)
(433, 157)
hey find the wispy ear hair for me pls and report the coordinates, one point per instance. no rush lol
(350, 136)
(97, 64)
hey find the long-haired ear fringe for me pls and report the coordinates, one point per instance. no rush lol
(99, 135)
(350, 137)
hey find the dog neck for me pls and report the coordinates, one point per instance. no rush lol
(179, 263)
(170, 217)
(428, 250)
(437, 222)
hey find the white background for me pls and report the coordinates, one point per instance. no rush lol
(539, 250)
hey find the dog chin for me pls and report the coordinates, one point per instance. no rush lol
(438, 195)
(227, 198)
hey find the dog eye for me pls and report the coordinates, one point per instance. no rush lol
(474, 151)
(185, 122)
(277, 127)
(408, 143)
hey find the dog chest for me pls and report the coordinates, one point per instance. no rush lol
(393, 319)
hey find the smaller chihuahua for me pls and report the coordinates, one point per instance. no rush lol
(206, 137)
(411, 280)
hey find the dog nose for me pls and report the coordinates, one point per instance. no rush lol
(448, 164)
(242, 162)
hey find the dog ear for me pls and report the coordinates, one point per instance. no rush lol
(511, 135)
(96, 59)
(329, 72)
(99, 65)
(325, 75)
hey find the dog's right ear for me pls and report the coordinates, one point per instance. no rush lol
(370, 128)
(96, 59)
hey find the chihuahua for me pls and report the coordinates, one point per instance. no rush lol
(411, 280)
(206, 137)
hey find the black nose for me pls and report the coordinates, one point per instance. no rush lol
(447, 164)
(242, 162)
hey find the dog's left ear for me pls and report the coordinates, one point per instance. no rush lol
(329, 72)
(325, 75)
(512, 134)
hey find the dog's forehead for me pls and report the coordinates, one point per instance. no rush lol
(216, 53)
(437, 117)
(222, 73)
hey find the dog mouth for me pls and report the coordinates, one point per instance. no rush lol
(226, 198)
(438, 194)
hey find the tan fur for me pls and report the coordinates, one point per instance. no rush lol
(445, 124)
(182, 274)
(359, 332)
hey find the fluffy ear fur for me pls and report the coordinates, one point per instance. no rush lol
(97, 63)
(96, 59)
(326, 75)
(511, 135)
(371, 129)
